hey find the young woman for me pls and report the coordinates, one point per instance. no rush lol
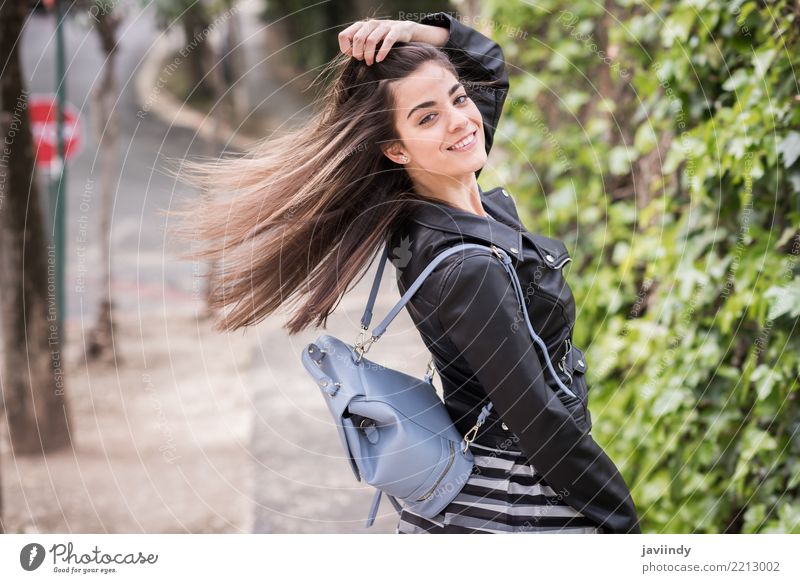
(393, 155)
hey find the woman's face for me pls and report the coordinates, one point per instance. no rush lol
(433, 115)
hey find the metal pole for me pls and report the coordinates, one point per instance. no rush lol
(59, 218)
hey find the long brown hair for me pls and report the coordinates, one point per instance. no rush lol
(310, 209)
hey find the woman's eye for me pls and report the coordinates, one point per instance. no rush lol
(424, 120)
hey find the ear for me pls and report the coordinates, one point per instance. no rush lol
(395, 153)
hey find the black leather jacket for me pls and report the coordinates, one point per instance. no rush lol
(468, 316)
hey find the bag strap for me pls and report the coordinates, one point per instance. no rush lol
(376, 284)
(376, 501)
(378, 331)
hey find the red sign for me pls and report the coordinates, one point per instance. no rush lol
(43, 112)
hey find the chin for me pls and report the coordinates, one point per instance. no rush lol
(480, 162)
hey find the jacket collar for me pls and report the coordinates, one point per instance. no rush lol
(505, 231)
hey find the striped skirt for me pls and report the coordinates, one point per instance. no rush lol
(502, 495)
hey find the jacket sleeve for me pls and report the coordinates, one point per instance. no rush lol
(479, 313)
(478, 59)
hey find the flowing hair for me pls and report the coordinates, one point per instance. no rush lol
(298, 217)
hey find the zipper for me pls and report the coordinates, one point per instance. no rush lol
(444, 473)
(567, 350)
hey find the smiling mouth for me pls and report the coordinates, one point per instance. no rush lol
(465, 143)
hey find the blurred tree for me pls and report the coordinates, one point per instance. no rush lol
(31, 378)
(5, 123)
(105, 18)
(194, 16)
(210, 73)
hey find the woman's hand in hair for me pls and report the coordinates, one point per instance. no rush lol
(360, 38)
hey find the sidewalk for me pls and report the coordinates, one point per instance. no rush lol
(159, 440)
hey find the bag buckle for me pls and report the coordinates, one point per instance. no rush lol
(429, 371)
(473, 432)
(501, 256)
(470, 436)
(312, 350)
(361, 347)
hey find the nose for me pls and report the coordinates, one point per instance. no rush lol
(458, 121)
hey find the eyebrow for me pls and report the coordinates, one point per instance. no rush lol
(430, 103)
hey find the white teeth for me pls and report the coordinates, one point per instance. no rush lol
(465, 142)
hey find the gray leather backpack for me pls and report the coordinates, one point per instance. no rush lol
(396, 432)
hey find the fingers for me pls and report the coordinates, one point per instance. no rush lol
(372, 40)
(388, 42)
(360, 39)
(346, 38)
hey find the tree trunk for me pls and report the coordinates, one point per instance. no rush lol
(100, 345)
(4, 127)
(233, 65)
(196, 28)
(32, 375)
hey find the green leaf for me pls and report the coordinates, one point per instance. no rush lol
(753, 441)
(656, 487)
(764, 378)
(753, 518)
(646, 138)
(574, 100)
(761, 62)
(790, 148)
(670, 400)
(795, 479)
(787, 299)
(619, 160)
(756, 440)
(786, 236)
(678, 26)
(739, 78)
(788, 521)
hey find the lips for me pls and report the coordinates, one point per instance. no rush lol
(470, 138)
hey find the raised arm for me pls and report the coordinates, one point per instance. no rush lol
(478, 59)
(478, 310)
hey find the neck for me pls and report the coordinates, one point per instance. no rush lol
(460, 192)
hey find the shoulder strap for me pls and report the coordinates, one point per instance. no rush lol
(376, 284)
(378, 331)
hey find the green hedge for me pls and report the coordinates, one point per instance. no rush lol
(661, 142)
